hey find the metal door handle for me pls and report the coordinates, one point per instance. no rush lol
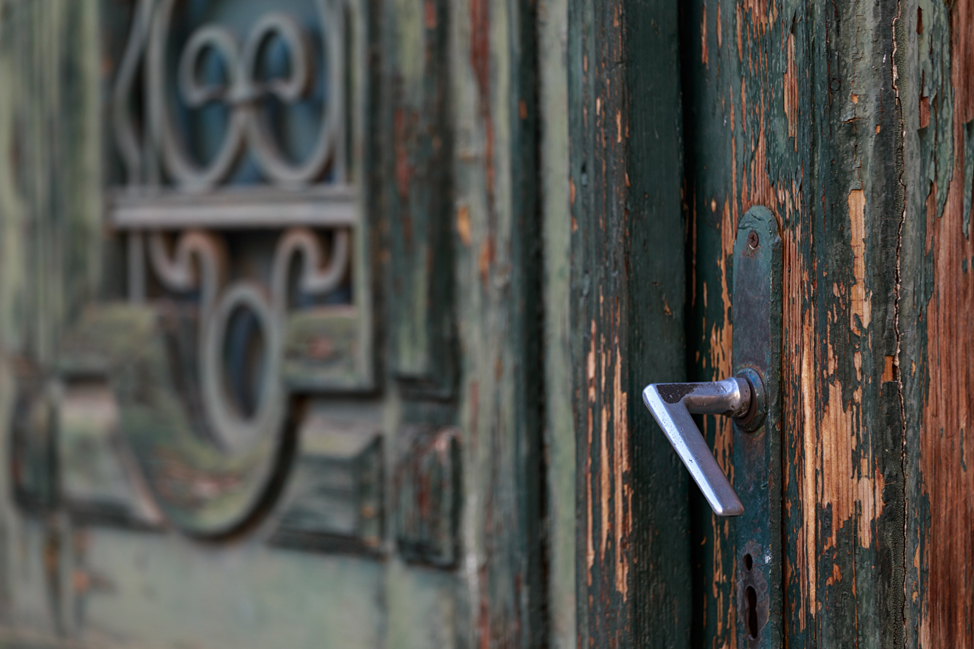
(740, 397)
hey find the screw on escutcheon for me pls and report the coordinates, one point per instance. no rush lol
(752, 240)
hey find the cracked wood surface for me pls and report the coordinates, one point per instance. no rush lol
(800, 115)
(628, 282)
(852, 122)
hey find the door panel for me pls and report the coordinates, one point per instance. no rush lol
(264, 386)
(160, 591)
(850, 123)
(799, 116)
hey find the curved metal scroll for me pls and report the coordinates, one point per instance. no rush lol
(242, 93)
(313, 279)
(210, 466)
(200, 375)
(201, 488)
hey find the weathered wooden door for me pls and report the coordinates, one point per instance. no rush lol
(851, 122)
(284, 352)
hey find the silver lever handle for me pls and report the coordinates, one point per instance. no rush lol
(671, 405)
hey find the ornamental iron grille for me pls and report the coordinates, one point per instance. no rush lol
(237, 129)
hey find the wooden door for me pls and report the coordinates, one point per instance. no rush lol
(851, 123)
(284, 351)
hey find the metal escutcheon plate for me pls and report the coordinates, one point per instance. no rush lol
(757, 444)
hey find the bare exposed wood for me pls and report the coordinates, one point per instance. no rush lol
(935, 61)
(800, 115)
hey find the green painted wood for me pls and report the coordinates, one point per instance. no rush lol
(417, 184)
(497, 224)
(556, 233)
(935, 93)
(794, 107)
(459, 228)
(628, 284)
(151, 590)
(51, 231)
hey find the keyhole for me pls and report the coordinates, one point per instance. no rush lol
(748, 562)
(752, 612)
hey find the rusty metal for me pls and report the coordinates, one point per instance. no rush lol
(757, 438)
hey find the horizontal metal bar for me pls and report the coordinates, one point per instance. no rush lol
(234, 208)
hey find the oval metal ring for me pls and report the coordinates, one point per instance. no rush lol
(235, 432)
(292, 87)
(196, 92)
(177, 160)
(263, 142)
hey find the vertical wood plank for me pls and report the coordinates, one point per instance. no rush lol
(414, 147)
(53, 166)
(418, 188)
(497, 226)
(50, 210)
(12, 296)
(935, 90)
(13, 260)
(627, 321)
(552, 19)
(793, 106)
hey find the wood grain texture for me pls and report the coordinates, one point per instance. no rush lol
(414, 80)
(556, 234)
(495, 596)
(793, 107)
(935, 61)
(50, 236)
(54, 260)
(418, 185)
(497, 225)
(627, 322)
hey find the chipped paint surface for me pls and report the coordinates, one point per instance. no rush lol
(937, 90)
(634, 576)
(941, 508)
(791, 90)
(839, 225)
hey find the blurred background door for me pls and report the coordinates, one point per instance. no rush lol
(284, 311)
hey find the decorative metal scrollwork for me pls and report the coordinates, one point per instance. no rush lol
(241, 292)
(219, 303)
(242, 91)
(210, 458)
